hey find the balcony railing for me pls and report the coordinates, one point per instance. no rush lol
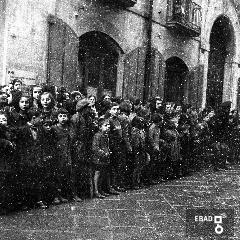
(184, 16)
(123, 3)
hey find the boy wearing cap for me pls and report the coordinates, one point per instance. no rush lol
(101, 158)
(66, 137)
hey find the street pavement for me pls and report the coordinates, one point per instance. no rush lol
(154, 213)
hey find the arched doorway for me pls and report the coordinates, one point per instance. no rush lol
(175, 86)
(98, 60)
(221, 53)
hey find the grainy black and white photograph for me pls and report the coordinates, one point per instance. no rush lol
(119, 119)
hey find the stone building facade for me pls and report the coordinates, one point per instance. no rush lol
(183, 50)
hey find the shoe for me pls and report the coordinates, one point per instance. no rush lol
(98, 195)
(63, 200)
(56, 201)
(105, 194)
(113, 192)
(119, 189)
(41, 205)
(77, 199)
(136, 187)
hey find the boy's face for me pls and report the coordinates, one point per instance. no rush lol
(168, 108)
(92, 101)
(24, 103)
(6, 89)
(3, 97)
(114, 110)
(45, 100)
(47, 126)
(17, 86)
(37, 92)
(62, 118)
(158, 104)
(105, 127)
(77, 97)
(3, 120)
(35, 120)
(107, 98)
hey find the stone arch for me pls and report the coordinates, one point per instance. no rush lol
(222, 56)
(175, 52)
(101, 25)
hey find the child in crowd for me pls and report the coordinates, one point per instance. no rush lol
(19, 117)
(36, 94)
(47, 104)
(7, 167)
(66, 138)
(30, 161)
(141, 157)
(155, 142)
(101, 158)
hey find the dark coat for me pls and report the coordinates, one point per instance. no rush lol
(100, 149)
(138, 140)
(65, 141)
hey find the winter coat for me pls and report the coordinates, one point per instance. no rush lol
(85, 128)
(171, 136)
(65, 140)
(115, 135)
(138, 140)
(7, 148)
(100, 149)
(126, 131)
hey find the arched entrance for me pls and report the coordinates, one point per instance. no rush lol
(221, 53)
(175, 86)
(98, 60)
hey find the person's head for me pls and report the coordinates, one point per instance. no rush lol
(158, 103)
(168, 107)
(137, 104)
(157, 119)
(34, 117)
(138, 122)
(36, 92)
(62, 116)
(47, 100)
(3, 119)
(172, 123)
(125, 107)
(104, 125)
(10, 85)
(24, 102)
(178, 108)
(76, 96)
(114, 110)
(3, 97)
(6, 89)
(67, 95)
(107, 98)
(47, 124)
(17, 85)
(92, 100)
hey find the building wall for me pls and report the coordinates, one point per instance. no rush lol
(27, 34)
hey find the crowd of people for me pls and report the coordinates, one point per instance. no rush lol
(59, 146)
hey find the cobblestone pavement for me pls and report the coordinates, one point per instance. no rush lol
(157, 212)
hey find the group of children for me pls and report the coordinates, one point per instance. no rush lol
(60, 147)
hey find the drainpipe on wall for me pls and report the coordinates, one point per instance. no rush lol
(148, 62)
(5, 46)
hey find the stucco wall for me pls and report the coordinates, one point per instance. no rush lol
(27, 31)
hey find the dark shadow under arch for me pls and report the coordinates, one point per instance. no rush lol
(98, 58)
(175, 84)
